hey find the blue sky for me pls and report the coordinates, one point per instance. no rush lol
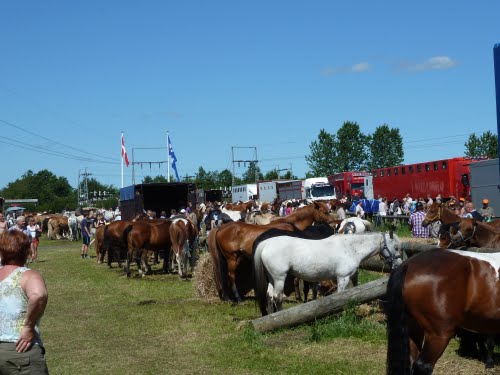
(230, 73)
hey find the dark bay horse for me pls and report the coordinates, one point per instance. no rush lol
(430, 297)
(114, 241)
(233, 241)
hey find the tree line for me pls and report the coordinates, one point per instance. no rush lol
(348, 149)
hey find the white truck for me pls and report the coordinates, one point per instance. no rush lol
(318, 188)
(243, 193)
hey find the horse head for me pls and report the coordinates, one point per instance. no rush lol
(390, 250)
(466, 231)
(433, 214)
(321, 213)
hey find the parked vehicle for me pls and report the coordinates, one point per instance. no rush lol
(268, 191)
(484, 182)
(318, 188)
(349, 184)
(243, 193)
(136, 199)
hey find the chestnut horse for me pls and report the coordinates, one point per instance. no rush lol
(233, 241)
(183, 235)
(143, 236)
(481, 234)
(432, 295)
(438, 211)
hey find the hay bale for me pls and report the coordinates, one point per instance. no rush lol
(203, 280)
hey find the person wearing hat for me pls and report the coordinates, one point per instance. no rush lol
(486, 211)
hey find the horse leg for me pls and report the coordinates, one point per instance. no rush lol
(307, 286)
(296, 284)
(279, 286)
(355, 278)
(270, 299)
(490, 345)
(342, 283)
(434, 346)
(194, 249)
(315, 291)
(231, 277)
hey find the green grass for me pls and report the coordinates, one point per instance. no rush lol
(99, 322)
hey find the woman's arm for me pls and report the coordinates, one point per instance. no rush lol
(33, 285)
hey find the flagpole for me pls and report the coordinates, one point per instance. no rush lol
(168, 158)
(121, 146)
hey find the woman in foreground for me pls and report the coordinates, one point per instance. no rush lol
(23, 298)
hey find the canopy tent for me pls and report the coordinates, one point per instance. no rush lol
(14, 209)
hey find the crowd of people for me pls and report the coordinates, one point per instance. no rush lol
(416, 210)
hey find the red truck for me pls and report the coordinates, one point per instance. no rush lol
(349, 184)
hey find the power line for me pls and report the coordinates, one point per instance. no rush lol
(50, 140)
(35, 148)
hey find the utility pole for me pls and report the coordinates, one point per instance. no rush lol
(83, 188)
(255, 160)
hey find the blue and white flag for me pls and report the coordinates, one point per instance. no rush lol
(174, 158)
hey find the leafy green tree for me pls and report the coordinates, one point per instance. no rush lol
(323, 154)
(289, 176)
(53, 193)
(386, 147)
(149, 179)
(352, 148)
(252, 174)
(224, 179)
(273, 174)
(484, 145)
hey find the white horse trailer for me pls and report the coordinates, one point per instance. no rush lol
(243, 192)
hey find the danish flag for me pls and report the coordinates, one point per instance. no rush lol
(124, 151)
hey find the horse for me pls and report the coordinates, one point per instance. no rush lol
(432, 295)
(73, 227)
(481, 234)
(114, 241)
(439, 211)
(183, 235)
(315, 260)
(355, 225)
(231, 242)
(143, 236)
(259, 218)
(237, 212)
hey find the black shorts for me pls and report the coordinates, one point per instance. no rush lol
(86, 240)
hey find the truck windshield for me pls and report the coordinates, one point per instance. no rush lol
(357, 186)
(322, 191)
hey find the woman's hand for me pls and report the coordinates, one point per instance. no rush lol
(26, 337)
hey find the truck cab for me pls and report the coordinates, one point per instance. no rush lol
(318, 188)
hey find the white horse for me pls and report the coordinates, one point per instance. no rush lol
(315, 260)
(355, 225)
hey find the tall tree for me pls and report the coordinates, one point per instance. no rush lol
(53, 193)
(484, 145)
(352, 148)
(224, 179)
(273, 174)
(321, 160)
(252, 174)
(386, 147)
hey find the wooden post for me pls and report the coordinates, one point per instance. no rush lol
(321, 307)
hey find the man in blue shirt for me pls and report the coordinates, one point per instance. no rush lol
(85, 226)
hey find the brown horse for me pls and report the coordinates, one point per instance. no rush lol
(233, 241)
(143, 236)
(481, 234)
(183, 234)
(439, 211)
(432, 295)
(114, 241)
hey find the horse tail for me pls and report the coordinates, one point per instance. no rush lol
(216, 255)
(261, 282)
(398, 347)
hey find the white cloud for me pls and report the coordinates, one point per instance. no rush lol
(356, 68)
(433, 63)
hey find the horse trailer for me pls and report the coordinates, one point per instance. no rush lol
(484, 180)
(243, 193)
(268, 191)
(158, 197)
